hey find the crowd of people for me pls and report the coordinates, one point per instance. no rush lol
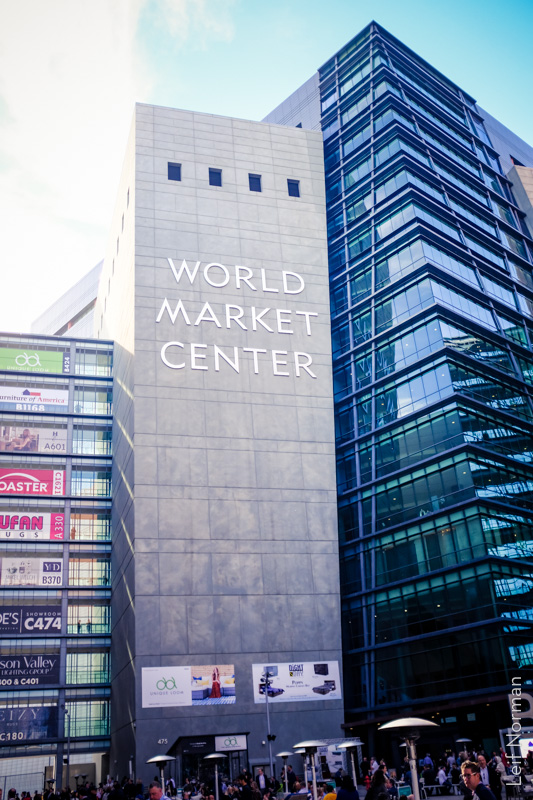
(474, 775)
(470, 774)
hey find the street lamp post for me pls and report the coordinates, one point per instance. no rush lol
(407, 729)
(285, 755)
(216, 757)
(67, 714)
(267, 679)
(311, 748)
(301, 752)
(350, 747)
(161, 762)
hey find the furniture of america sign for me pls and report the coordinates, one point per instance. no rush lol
(278, 322)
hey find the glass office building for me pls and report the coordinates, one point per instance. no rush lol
(430, 261)
(55, 541)
(432, 323)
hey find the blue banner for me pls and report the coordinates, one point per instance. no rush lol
(27, 723)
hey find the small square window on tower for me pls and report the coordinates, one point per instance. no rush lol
(254, 182)
(293, 187)
(215, 177)
(174, 171)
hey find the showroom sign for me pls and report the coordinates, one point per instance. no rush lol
(31, 572)
(297, 681)
(27, 723)
(28, 360)
(32, 670)
(32, 527)
(21, 439)
(32, 482)
(28, 398)
(34, 620)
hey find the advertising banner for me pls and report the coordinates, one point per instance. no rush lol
(204, 685)
(32, 481)
(26, 723)
(230, 742)
(170, 686)
(31, 571)
(21, 439)
(299, 681)
(28, 360)
(20, 398)
(35, 620)
(32, 670)
(26, 526)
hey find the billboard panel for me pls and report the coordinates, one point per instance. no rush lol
(35, 620)
(17, 571)
(28, 360)
(26, 526)
(31, 670)
(32, 481)
(299, 681)
(26, 723)
(21, 439)
(29, 398)
(209, 684)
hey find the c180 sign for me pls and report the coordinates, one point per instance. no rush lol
(279, 322)
(23, 723)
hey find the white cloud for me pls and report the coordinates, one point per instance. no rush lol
(198, 21)
(72, 71)
(70, 78)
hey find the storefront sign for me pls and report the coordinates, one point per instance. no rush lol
(34, 482)
(21, 439)
(27, 723)
(31, 572)
(204, 685)
(25, 526)
(34, 620)
(28, 360)
(230, 742)
(30, 398)
(31, 670)
(298, 681)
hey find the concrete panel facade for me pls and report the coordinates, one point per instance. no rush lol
(225, 505)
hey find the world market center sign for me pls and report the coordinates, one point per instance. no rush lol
(258, 317)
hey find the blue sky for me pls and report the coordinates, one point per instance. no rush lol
(261, 51)
(70, 72)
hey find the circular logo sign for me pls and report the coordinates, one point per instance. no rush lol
(166, 683)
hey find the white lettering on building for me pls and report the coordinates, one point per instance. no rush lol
(207, 315)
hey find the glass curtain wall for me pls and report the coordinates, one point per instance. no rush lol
(432, 324)
(55, 543)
